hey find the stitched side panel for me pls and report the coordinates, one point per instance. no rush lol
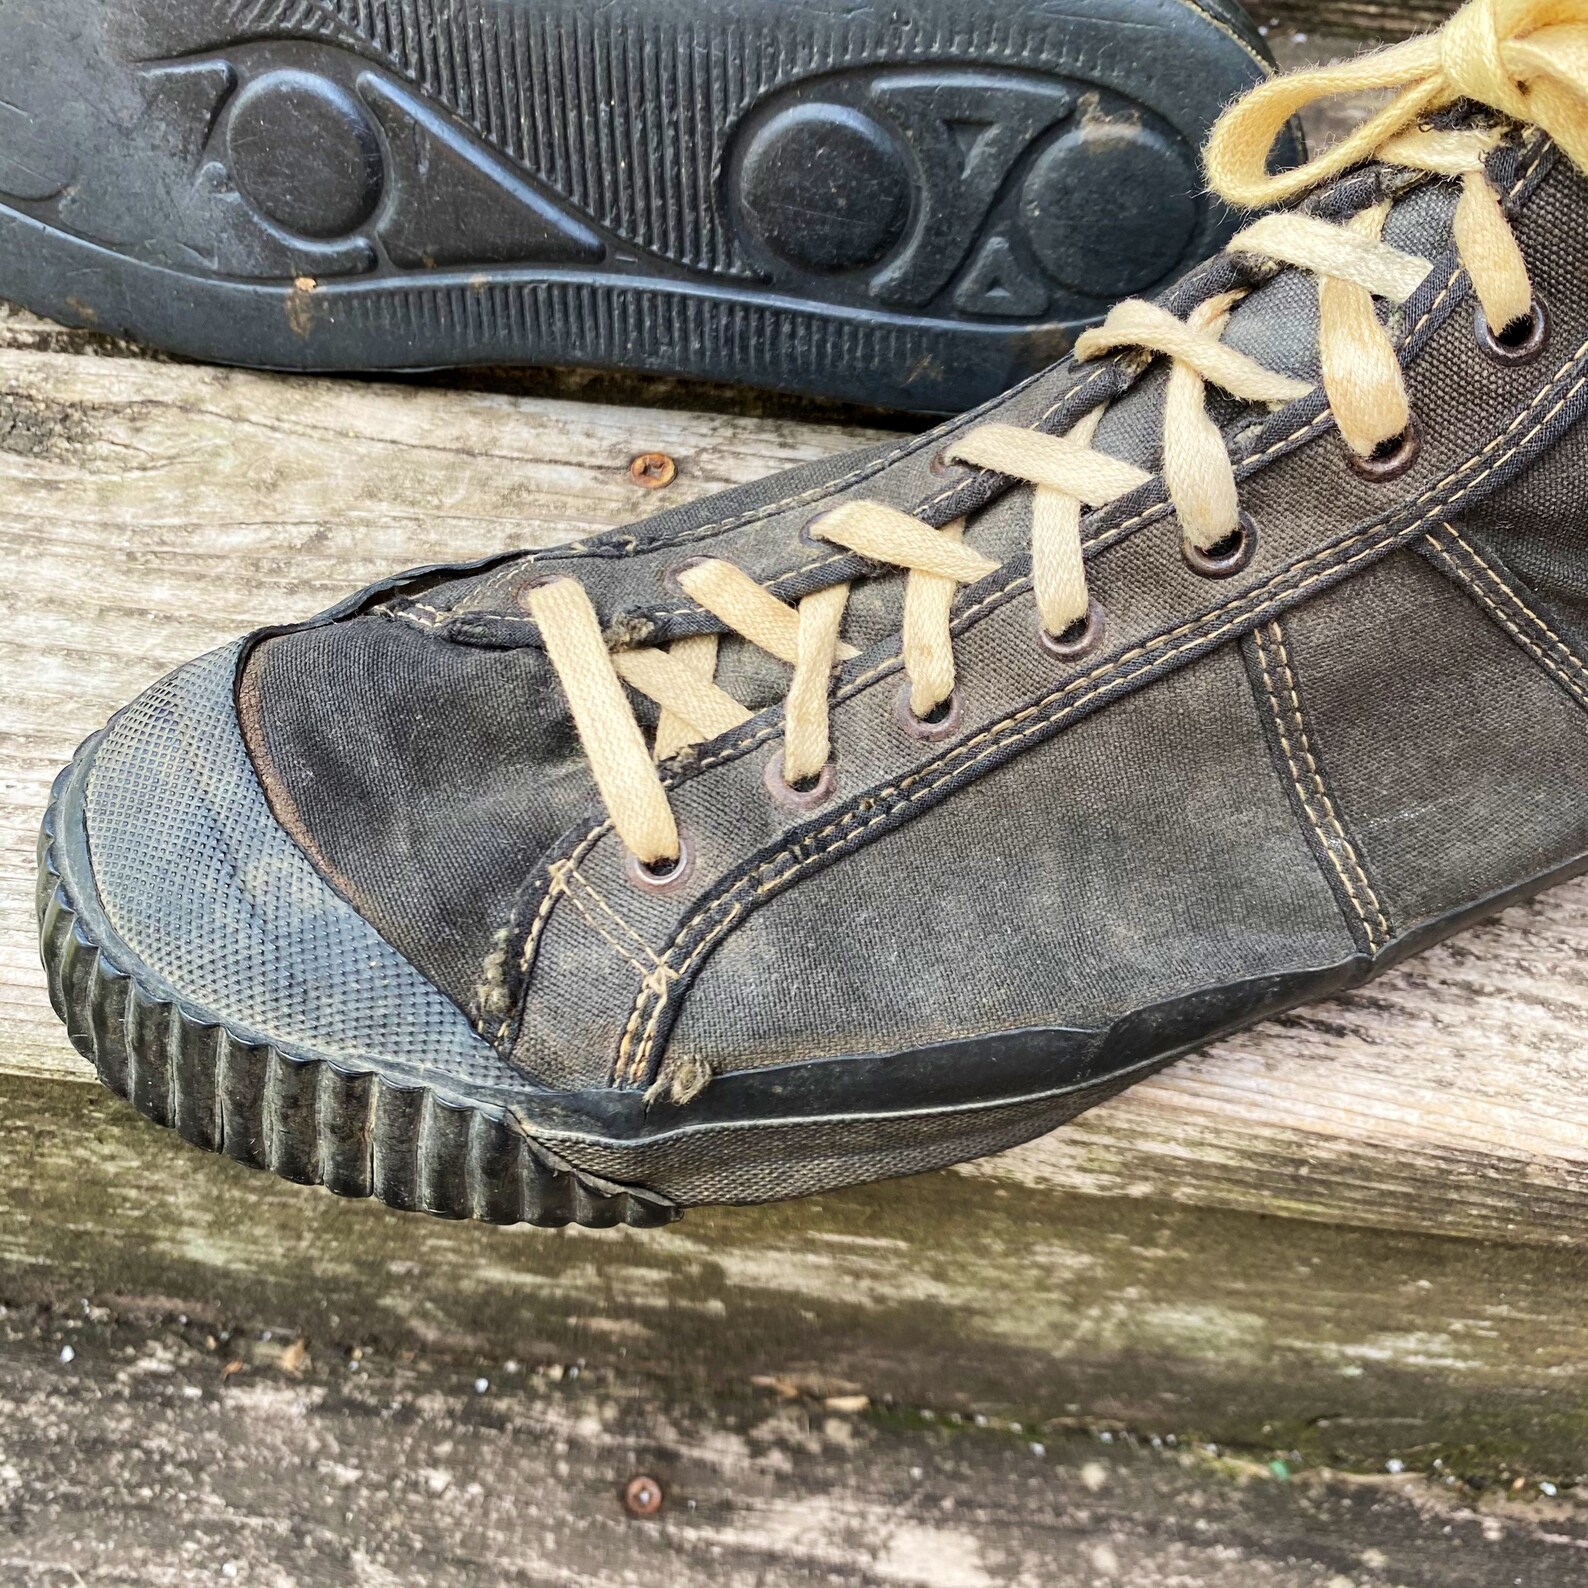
(1484, 580)
(1146, 855)
(1278, 695)
(1457, 764)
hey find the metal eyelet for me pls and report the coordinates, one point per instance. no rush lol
(1228, 557)
(666, 877)
(1518, 343)
(1391, 458)
(1080, 639)
(930, 729)
(799, 799)
(672, 576)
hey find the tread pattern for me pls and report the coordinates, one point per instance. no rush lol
(307, 1120)
(914, 205)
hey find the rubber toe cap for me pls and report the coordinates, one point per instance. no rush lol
(213, 897)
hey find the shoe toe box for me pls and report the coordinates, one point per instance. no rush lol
(218, 906)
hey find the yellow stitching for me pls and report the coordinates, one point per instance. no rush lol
(409, 615)
(1576, 687)
(556, 871)
(639, 969)
(1326, 819)
(1493, 573)
(1322, 787)
(590, 888)
(1252, 597)
(1075, 392)
(556, 883)
(1278, 714)
(1102, 678)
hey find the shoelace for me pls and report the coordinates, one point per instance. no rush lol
(1526, 59)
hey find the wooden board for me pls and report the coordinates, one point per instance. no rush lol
(178, 1457)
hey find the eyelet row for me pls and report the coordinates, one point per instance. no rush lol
(1517, 344)
(1521, 342)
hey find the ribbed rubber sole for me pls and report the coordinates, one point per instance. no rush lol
(912, 203)
(309, 1121)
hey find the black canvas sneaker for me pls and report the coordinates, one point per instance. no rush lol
(895, 810)
(911, 203)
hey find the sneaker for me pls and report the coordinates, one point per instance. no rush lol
(910, 203)
(893, 811)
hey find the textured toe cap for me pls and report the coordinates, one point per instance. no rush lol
(212, 895)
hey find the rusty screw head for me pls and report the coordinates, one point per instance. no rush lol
(642, 1496)
(651, 471)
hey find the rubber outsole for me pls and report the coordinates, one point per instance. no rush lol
(307, 1120)
(914, 205)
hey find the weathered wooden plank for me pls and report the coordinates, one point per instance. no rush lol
(967, 1293)
(139, 1461)
(1365, 20)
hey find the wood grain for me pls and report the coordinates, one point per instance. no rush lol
(984, 1293)
(1366, 20)
(180, 1457)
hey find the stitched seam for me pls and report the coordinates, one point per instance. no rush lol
(537, 925)
(944, 770)
(1527, 169)
(611, 914)
(1319, 807)
(1521, 603)
(429, 625)
(1472, 579)
(1326, 799)
(606, 936)
(931, 777)
(642, 1058)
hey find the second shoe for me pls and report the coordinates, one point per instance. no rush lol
(914, 203)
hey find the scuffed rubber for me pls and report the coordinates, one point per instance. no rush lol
(308, 1120)
(911, 203)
